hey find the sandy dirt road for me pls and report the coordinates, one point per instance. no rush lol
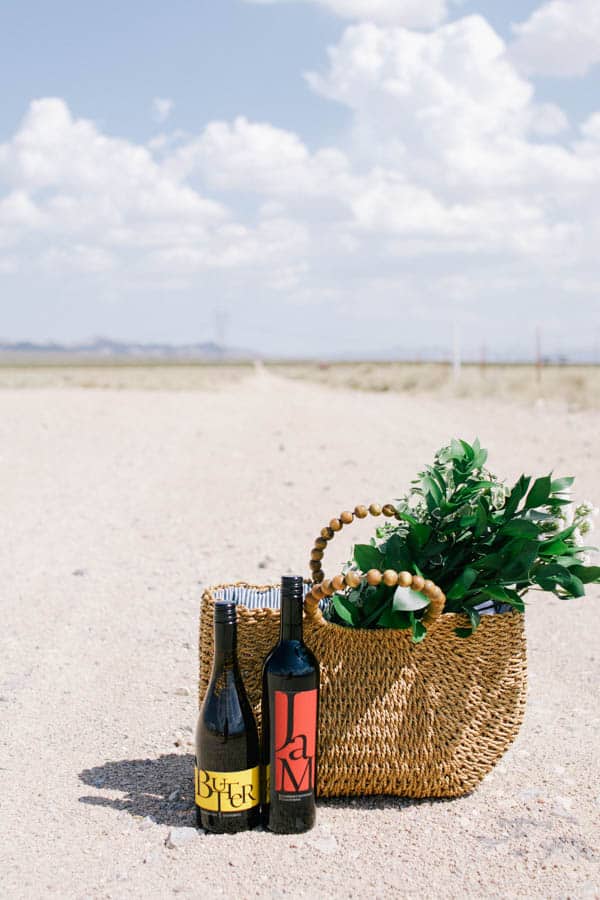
(117, 506)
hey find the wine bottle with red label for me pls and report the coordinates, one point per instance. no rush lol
(290, 709)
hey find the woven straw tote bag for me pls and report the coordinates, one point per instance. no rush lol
(397, 718)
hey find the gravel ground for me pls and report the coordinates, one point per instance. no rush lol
(117, 507)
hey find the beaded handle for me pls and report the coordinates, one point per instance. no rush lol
(324, 587)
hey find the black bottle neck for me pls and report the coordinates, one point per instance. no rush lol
(291, 616)
(225, 643)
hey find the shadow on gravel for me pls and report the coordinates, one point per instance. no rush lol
(161, 788)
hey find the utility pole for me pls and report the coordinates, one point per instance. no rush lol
(221, 321)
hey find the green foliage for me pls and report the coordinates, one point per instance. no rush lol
(476, 539)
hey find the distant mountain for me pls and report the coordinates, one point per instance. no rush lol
(102, 348)
(107, 348)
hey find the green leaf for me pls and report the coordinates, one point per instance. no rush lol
(463, 632)
(393, 619)
(386, 619)
(586, 574)
(516, 495)
(552, 576)
(474, 617)
(561, 484)
(504, 595)
(456, 450)
(481, 520)
(346, 610)
(555, 548)
(469, 451)
(561, 535)
(367, 557)
(396, 554)
(520, 528)
(495, 591)
(462, 584)
(408, 600)
(539, 493)
(376, 600)
(480, 459)
(418, 535)
(518, 559)
(432, 489)
(406, 517)
(418, 629)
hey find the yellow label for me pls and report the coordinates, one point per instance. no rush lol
(227, 792)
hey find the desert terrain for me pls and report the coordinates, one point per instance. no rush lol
(125, 490)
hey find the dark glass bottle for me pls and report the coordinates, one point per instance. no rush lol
(290, 708)
(227, 774)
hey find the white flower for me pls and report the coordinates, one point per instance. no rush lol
(586, 509)
(499, 493)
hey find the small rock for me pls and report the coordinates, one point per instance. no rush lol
(325, 843)
(146, 823)
(563, 808)
(529, 794)
(183, 692)
(79, 572)
(264, 563)
(174, 795)
(180, 837)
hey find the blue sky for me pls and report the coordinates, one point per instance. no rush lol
(159, 161)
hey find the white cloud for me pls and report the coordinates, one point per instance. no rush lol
(561, 37)
(162, 107)
(451, 178)
(412, 13)
(77, 197)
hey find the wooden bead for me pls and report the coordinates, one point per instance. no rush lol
(318, 576)
(317, 592)
(442, 597)
(320, 543)
(316, 554)
(374, 577)
(375, 509)
(326, 533)
(352, 579)
(335, 525)
(327, 588)
(428, 587)
(388, 510)
(405, 579)
(436, 593)
(361, 512)
(417, 583)
(390, 578)
(338, 583)
(346, 517)
(315, 564)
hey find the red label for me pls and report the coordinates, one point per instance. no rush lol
(295, 734)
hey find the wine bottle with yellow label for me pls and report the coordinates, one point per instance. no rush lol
(227, 775)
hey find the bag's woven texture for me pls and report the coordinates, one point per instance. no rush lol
(424, 720)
